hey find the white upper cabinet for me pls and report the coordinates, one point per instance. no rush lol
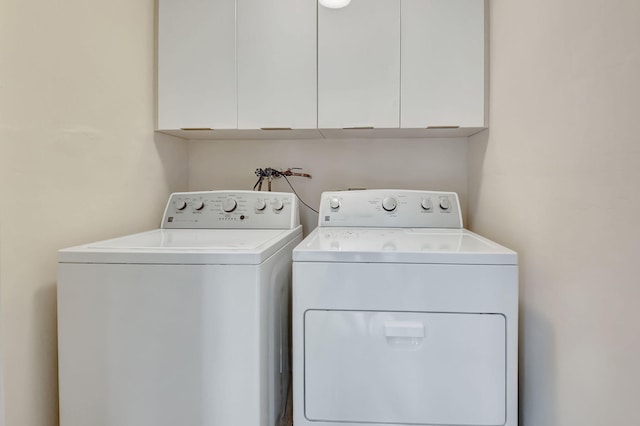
(443, 63)
(359, 65)
(196, 64)
(277, 64)
(408, 68)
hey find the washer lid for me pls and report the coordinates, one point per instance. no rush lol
(397, 245)
(184, 246)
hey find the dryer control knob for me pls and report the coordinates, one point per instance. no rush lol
(229, 205)
(261, 204)
(277, 205)
(334, 203)
(426, 204)
(445, 204)
(198, 205)
(389, 204)
(181, 205)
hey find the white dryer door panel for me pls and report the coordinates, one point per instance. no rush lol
(405, 367)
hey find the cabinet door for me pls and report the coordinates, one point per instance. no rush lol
(443, 63)
(277, 64)
(196, 64)
(359, 65)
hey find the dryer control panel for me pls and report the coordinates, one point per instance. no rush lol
(231, 210)
(390, 208)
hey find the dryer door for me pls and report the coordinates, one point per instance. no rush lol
(405, 367)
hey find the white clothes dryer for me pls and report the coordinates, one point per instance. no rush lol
(402, 317)
(183, 325)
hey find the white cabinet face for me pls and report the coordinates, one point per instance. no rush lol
(277, 64)
(443, 78)
(196, 64)
(359, 65)
(252, 64)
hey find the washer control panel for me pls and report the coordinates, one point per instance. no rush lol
(390, 208)
(231, 210)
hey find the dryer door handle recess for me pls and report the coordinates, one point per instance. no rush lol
(410, 329)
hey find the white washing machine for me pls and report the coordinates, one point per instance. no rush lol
(182, 325)
(402, 317)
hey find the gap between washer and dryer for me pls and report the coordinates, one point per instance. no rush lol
(287, 417)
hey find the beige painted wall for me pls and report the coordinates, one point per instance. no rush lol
(78, 162)
(556, 177)
(334, 164)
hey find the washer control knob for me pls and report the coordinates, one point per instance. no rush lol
(389, 204)
(334, 203)
(229, 205)
(445, 204)
(277, 205)
(198, 205)
(261, 204)
(181, 205)
(426, 204)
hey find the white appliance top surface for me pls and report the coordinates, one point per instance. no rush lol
(193, 239)
(401, 245)
(185, 246)
(204, 228)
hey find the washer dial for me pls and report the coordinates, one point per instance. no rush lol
(277, 205)
(389, 204)
(229, 205)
